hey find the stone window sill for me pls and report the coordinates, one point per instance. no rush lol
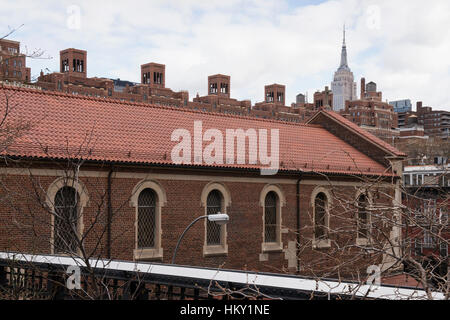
(362, 241)
(211, 251)
(271, 247)
(321, 244)
(148, 254)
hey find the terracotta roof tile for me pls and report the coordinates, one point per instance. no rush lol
(374, 139)
(110, 130)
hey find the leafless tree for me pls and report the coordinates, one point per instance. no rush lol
(347, 231)
(36, 53)
(350, 231)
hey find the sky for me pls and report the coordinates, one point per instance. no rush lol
(402, 45)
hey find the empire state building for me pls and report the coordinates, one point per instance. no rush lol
(343, 85)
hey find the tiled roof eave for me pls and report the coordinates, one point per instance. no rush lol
(168, 164)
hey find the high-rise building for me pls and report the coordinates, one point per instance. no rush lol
(343, 85)
(435, 122)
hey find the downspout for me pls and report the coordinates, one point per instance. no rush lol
(109, 216)
(298, 222)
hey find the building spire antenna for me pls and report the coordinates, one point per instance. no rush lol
(344, 63)
(343, 43)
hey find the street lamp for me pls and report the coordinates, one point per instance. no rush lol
(219, 218)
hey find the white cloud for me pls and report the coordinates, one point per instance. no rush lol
(405, 50)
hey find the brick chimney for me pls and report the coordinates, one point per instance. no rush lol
(363, 87)
(419, 106)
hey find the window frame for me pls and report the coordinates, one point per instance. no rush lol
(281, 202)
(369, 200)
(152, 212)
(83, 201)
(67, 208)
(222, 249)
(157, 252)
(321, 243)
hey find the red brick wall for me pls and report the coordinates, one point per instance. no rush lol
(25, 226)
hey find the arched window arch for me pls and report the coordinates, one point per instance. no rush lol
(270, 217)
(320, 216)
(272, 201)
(213, 230)
(215, 198)
(363, 217)
(66, 221)
(148, 198)
(321, 202)
(363, 203)
(146, 222)
(66, 199)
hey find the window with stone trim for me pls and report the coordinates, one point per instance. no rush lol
(66, 221)
(363, 217)
(146, 224)
(320, 216)
(214, 230)
(270, 217)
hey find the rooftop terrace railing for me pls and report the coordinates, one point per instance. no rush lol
(25, 276)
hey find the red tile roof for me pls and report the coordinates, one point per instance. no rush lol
(367, 135)
(64, 126)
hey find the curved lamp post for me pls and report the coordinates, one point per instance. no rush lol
(219, 218)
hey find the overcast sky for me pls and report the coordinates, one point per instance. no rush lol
(402, 45)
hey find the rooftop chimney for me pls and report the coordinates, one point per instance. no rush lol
(363, 87)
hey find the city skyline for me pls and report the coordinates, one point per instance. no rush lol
(399, 50)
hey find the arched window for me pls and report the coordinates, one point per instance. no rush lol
(272, 201)
(270, 217)
(320, 216)
(146, 223)
(363, 217)
(215, 198)
(213, 230)
(148, 198)
(66, 220)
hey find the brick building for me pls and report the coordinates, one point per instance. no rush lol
(372, 114)
(323, 99)
(412, 129)
(436, 123)
(219, 99)
(13, 63)
(274, 106)
(73, 79)
(107, 166)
